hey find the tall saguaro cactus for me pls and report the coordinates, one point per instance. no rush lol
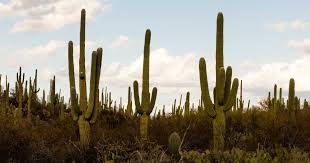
(275, 99)
(186, 108)
(20, 81)
(129, 103)
(241, 101)
(146, 106)
(224, 94)
(291, 103)
(86, 114)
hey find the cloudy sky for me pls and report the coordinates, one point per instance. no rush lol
(266, 42)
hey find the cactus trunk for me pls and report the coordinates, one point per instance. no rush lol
(219, 125)
(84, 130)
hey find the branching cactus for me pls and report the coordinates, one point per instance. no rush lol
(224, 95)
(86, 114)
(146, 106)
(20, 81)
(179, 110)
(35, 85)
(291, 103)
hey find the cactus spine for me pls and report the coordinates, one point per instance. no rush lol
(86, 114)
(146, 106)
(224, 95)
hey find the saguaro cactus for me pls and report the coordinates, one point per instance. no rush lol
(241, 101)
(20, 81)
(35, 84)
(291, 103)
(30, 97)
(146, 106)
(306, 104)
(129, 103)
(186, 109)
(275, 99)
(52, 103)
(86, 114)
(224, 95)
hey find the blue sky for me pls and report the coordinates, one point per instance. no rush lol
(265, 42)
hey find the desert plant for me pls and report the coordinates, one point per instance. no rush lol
(129, 103)
(20, 81)
(87, 112)
(146, 106)
(291, 103)
(186, 107)
(174, 146)
(224, 95)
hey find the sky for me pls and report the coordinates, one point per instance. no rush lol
(265, 42)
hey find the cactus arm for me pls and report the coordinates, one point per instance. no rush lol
(145, 99)
(92, 91)
(206, 99)
(95, 111)
(74, 102)
(219, 42)
(98, 70)
(153, 100)
(220, 86)
(227, 83)
(232, 96)
(136, 97)
(82, 73)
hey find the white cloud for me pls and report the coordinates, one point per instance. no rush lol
(49, 15)
(281, 26)
(119, 42)
(303, 45)
(166, 70)
(37, 54)
(299, 24)
(258, 82)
